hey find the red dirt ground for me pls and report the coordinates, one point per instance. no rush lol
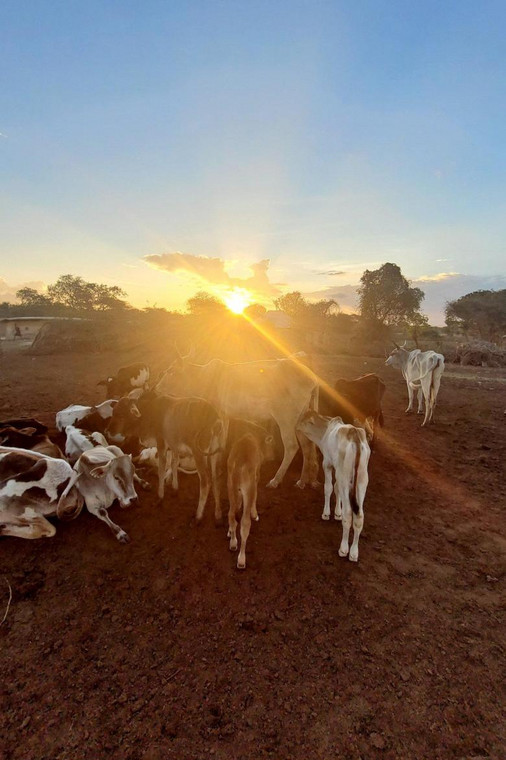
(161, 648)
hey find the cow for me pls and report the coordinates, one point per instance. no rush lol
(422, 371)
(79, 440)
(357, 402)
(182, 426)
(28, 438)
(77, 412)
(279, 389)
(246, 455)
(25, 422)
(34, 487)
(134, 376)
(346, 453)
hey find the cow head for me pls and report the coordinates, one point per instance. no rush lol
(124, 421)
(313, 425)
(397, 357)
(114, 470)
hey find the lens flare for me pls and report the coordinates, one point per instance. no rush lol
(237, 300)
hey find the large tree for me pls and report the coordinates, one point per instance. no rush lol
(387, 298)
(299, 309)
(481, 313)
(203, 304)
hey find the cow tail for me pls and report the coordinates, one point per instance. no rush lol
(214, 430)
(356, 464)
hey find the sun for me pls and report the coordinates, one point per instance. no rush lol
(237, 300)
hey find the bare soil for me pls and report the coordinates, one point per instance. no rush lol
(161, 648)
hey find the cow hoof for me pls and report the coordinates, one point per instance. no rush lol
(300, 484)
(233, 547)
(123, 537)
(353, 558)
(145, 485)
(343, 554)
(272, 483)
(315, 484)
(256, 519)
(241, 567)
(325, 517)
(338, 517)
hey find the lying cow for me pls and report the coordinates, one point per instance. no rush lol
(24, 422)
(179, 426)
(134, 376)
(243, 471)
(422, 371)
(79, 440)
(34, 487)
(357, 402)
(28, 438)
(78, 412)
(346, 453)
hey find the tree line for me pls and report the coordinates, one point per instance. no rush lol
(387, 301)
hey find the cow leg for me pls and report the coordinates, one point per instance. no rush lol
(345, 502)
(420, 400)
(426, 388)
(162, 466)
(410, 397)
(174, 465)
(358, 524)
(290, 449)
(142, 483)
(327, 469)
(248, 501)
(102, 514)
(309, 472)
(338, 514)
(205, 484)
(436, 382)
(216, 485)
(234, 499)
(32, 526)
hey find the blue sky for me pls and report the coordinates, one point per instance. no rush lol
(270, 145)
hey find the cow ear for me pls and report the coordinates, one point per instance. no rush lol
(28, 430)
(99, 472)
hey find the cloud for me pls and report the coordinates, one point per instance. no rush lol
(8, 292)
(212, 271)
(437, 277)
(331, 272)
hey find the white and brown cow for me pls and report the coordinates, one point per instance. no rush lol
(28, 438)
(94, 415)
(346, 454)
(34, 487)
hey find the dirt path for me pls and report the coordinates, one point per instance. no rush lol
(162, 649)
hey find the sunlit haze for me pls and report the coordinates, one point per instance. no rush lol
(264, 147)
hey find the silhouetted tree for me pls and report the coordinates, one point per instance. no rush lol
(387, 297)
(482, 313)
(204, 304)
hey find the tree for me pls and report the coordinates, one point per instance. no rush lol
(299, 309)
(482, 313)
(387, 297)
(255, 311)
(32, 298)
(203, 304)
(77, 294)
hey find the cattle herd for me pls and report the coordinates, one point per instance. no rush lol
(214, 420)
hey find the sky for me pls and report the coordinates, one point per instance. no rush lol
(172, 147)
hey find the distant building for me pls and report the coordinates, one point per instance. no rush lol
(26, 328)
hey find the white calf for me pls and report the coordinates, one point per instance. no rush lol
(346, 453)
